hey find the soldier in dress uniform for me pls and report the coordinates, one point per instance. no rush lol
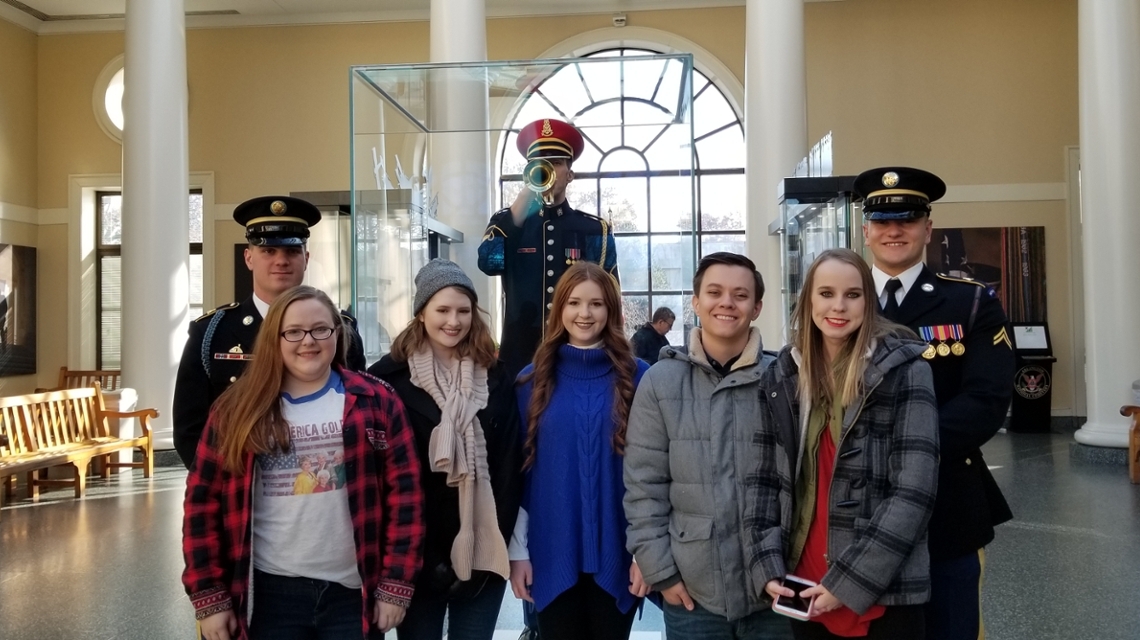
(532, 242)
(221, 341)
(972, 360)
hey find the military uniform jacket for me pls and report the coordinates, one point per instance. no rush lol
(219, 346)
(531, 259)
(973, 391)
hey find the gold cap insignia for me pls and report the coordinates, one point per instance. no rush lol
(279, 207)
(890, 179)
(236, 349)
(546, 130)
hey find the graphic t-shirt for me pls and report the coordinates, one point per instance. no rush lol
(301, 523)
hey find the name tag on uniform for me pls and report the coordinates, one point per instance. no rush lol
(233, 356)
(528, 250)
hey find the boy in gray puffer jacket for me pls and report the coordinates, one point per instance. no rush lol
(689, 446)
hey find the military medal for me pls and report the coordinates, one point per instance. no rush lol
(957, 348)
(573, 255)
(235, 353)
(942, 333)
(928, 335)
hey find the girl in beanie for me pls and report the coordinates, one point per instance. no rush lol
(568, 552)
(461, 404)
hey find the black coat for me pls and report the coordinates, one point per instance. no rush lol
(208, 369)
(500, 423)
(647, 343)
(973, 392)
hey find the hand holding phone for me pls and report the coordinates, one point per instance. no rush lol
(795, 606)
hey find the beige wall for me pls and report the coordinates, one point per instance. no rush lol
(18, 123)
(979, 92)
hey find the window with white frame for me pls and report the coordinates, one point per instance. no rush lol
(626, 176)
(109, 238)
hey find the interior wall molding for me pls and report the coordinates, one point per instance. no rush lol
(1015, 192)
(19, 213)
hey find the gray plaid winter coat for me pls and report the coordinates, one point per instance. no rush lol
(882, 494)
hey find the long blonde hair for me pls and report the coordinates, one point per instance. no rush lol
(615, 345)
(842, 379)
(247, 416)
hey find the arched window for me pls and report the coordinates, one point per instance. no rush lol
(629, 172)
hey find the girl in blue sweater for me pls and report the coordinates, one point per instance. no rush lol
(568, 553)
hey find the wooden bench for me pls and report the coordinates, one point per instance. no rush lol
(1132, 411)
(109, 380)
(69, 426)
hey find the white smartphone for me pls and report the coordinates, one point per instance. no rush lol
(796, 606)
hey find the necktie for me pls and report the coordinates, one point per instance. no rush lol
(891, 309)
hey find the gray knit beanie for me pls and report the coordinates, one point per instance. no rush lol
(439, 274)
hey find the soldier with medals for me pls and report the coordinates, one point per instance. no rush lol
(970, 354)
(533, 241)
(221, 341)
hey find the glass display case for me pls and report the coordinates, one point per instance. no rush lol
(816, 214)
(433, 145)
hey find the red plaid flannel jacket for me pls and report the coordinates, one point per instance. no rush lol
(383, 495)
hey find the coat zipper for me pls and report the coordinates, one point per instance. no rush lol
(835, 466)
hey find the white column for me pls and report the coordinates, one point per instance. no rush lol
(775, 134)
(461, 162)
(1109, 64)
(156, 235)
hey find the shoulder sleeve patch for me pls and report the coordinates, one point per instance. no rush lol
(215, 310)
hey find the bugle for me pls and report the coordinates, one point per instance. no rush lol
(538, 176)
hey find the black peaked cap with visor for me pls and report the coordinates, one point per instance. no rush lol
(276, 221)
(898, 193)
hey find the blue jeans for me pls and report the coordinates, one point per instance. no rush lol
(306, 609)
(682, 624)
(470, 617)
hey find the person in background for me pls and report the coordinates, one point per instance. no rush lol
(650, 338)
(243, 529)
(220, 345)
(847, 463)
(972, 358)
(461, 404)
(688, 445)
(568, 552)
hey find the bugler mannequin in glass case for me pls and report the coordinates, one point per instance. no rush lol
(534, 240)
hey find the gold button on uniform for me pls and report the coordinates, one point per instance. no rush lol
(550, 272)
(233, 378)
(550, 289)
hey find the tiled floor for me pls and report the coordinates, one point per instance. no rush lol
(1067, 567)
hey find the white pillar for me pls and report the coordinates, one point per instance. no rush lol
(461, 162)
(156, 235)
(775, 134)
(1109, 64)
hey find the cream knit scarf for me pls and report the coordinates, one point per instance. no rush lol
(458, 448)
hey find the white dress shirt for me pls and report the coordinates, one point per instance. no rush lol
(907, 278)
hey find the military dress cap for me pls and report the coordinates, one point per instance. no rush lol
(898, 193)
(276, 221)
(550, 138)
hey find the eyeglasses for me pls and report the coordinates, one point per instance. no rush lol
(297, 335)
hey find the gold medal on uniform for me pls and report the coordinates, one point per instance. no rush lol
(928, 335)
(956, 332)
(942, 332)
(573, 255)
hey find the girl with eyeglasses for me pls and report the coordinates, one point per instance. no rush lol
(848, 463)
(461, 404)
(270, 551)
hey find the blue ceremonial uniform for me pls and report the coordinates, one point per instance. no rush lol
(973, 388)
(530, 260)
